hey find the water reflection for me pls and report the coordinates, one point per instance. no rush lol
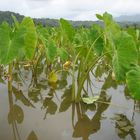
(124, 126)
(34, 91)
(86, 126)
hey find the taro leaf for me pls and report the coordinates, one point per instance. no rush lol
(133, 82)
(111, 27)
(15, 21)
(30, 39)
(67, 29)
(11, 45)
(90, 100)
(50, 105)
(32, 136)
(67, 100)
(16, 43)
(125, 55)
(99, 17)
(96, 32)
(123, 46)
(51, 50)
(62, 53)
(15, 114)
(53, 78)
(20, 96)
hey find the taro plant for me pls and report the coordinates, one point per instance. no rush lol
(16, 43)
(124, 54)
(77, 51)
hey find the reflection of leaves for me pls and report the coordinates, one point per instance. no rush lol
(20, 96)
(101, 69)
(103, 102)
(50, 105)
(126, 92)
(63, 80)
(109, 82)
(15, 75)
(1, 80)
(1, 74)
(15, 114)
(33, 94)
(83, 127)
(85, 107)
(67, 100)
(32, 136)
(123, 126)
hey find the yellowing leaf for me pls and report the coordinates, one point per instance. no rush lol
(90, 100)
(53, 77)
(113, 76)
(67, 65)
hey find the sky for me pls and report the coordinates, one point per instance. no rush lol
(70, 9)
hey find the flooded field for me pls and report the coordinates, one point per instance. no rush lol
(36, 110)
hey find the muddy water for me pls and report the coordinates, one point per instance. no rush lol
(48, 114)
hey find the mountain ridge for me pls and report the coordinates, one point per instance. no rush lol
(128, 18)
(122, 20)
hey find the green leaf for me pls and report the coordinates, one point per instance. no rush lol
(90, 100)
(18, 42)
(15, 21)
(11, 45)
(133, 82)
(51, 50)
(99, 17)
(125, 55)
(62, 53)
(67, 29)
(30, 37)
(96, 32)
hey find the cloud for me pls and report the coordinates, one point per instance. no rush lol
(70, 9)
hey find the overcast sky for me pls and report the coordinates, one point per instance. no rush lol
(70, 9)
